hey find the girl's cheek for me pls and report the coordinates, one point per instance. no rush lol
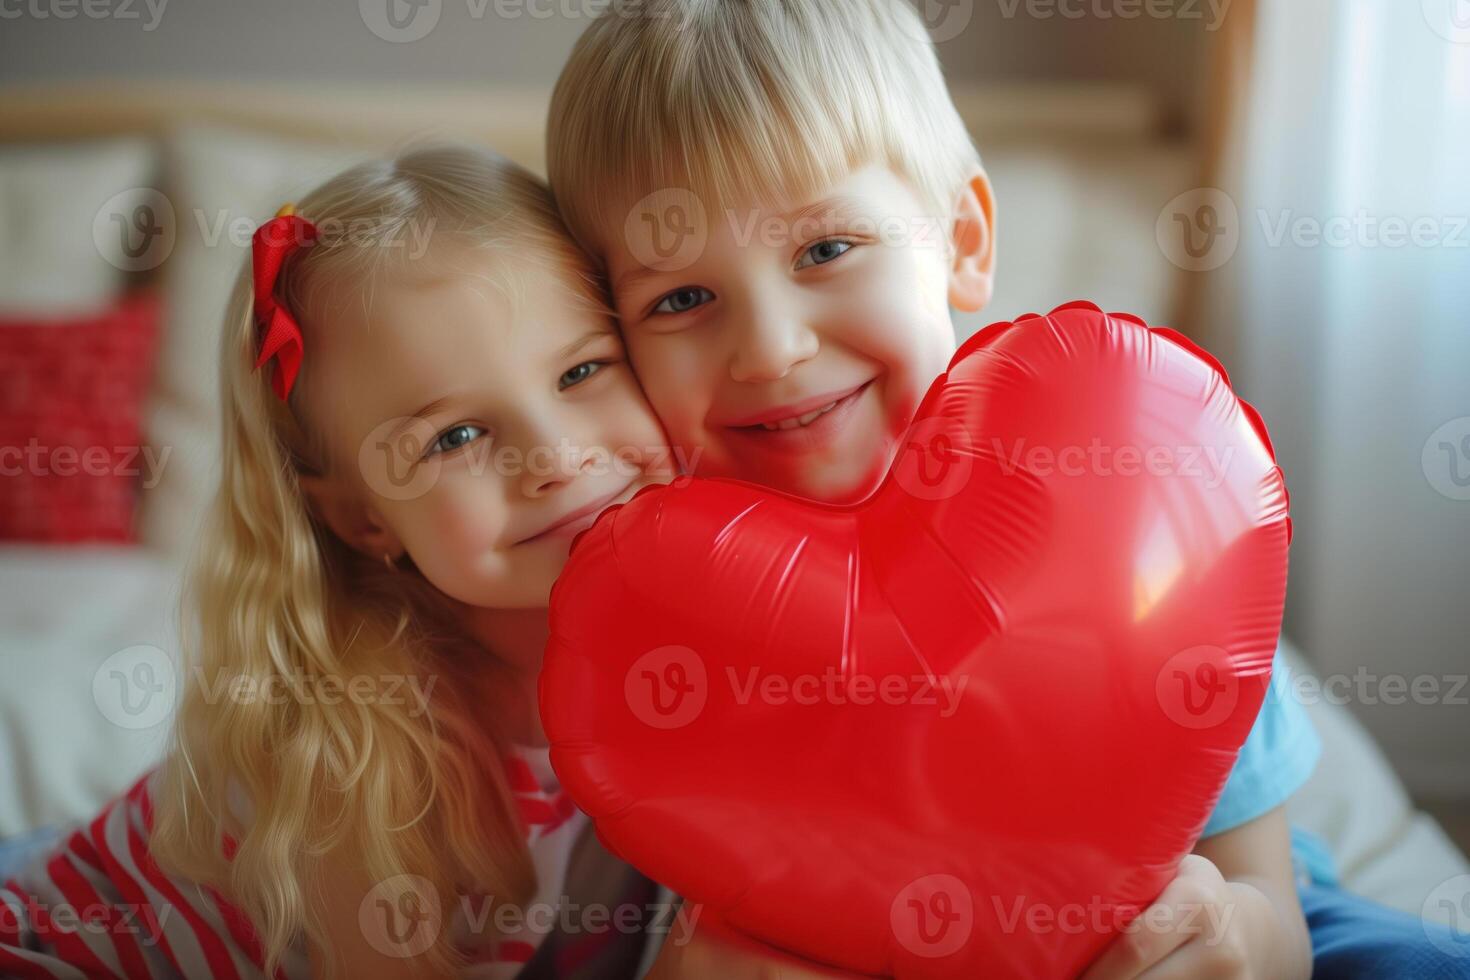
(462, 517)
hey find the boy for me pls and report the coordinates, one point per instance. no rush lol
(786, 203)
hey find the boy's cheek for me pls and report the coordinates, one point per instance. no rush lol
(933, 288)
(691, 441)
(676, 389)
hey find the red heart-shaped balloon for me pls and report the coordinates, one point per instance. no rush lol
(970, 725)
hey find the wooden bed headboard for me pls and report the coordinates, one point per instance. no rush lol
(510, 120)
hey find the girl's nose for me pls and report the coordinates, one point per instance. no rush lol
(553, 453)
(548, 468)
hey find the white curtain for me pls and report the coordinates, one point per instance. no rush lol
(1345, 311)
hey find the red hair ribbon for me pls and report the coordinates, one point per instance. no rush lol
(273, 243)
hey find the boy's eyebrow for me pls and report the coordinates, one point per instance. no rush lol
(825, 206)
(635, 275)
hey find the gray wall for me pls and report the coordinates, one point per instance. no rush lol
(524, 42)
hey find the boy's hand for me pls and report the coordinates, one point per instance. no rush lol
(716, 952)
(1200, 927)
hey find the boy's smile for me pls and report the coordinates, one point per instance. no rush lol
(793, 347)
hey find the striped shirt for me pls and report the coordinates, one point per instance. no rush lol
(99, 906)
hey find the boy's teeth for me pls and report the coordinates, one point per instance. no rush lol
(800, 420)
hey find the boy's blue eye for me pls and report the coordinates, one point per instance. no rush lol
(684, 299)
(823, 252)
(579, 374)
(455, 438)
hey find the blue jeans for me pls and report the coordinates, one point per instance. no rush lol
(1353, 937)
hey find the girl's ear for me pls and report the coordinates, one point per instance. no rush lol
(972, 276)
(357, 524)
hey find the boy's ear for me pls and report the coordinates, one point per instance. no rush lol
(972, 276)
(357, 524)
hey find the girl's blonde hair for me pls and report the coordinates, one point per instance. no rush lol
(396, 790)
(739, 100)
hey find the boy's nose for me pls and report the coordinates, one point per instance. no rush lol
(769, 347)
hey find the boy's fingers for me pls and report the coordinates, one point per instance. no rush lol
(1131, 953)
(1150, 938)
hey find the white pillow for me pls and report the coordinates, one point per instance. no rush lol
(225, 183)
(1384, 849)
(88, 677)
(74, 217)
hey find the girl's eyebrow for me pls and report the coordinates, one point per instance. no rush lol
(422, 413)
(581, 342)
(438, 403)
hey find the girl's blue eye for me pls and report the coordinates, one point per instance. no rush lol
(823, 252)
(579, 374)
(684, 299)
(455, 438)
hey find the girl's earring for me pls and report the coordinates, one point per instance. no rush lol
(388, 560)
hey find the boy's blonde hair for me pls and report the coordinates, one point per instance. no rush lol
(274, 596)
(739, 100)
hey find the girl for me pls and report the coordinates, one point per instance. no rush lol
(412, 436)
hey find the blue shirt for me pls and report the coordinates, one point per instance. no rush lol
(1276, 759)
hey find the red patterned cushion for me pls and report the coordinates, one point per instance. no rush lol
(71, 397)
